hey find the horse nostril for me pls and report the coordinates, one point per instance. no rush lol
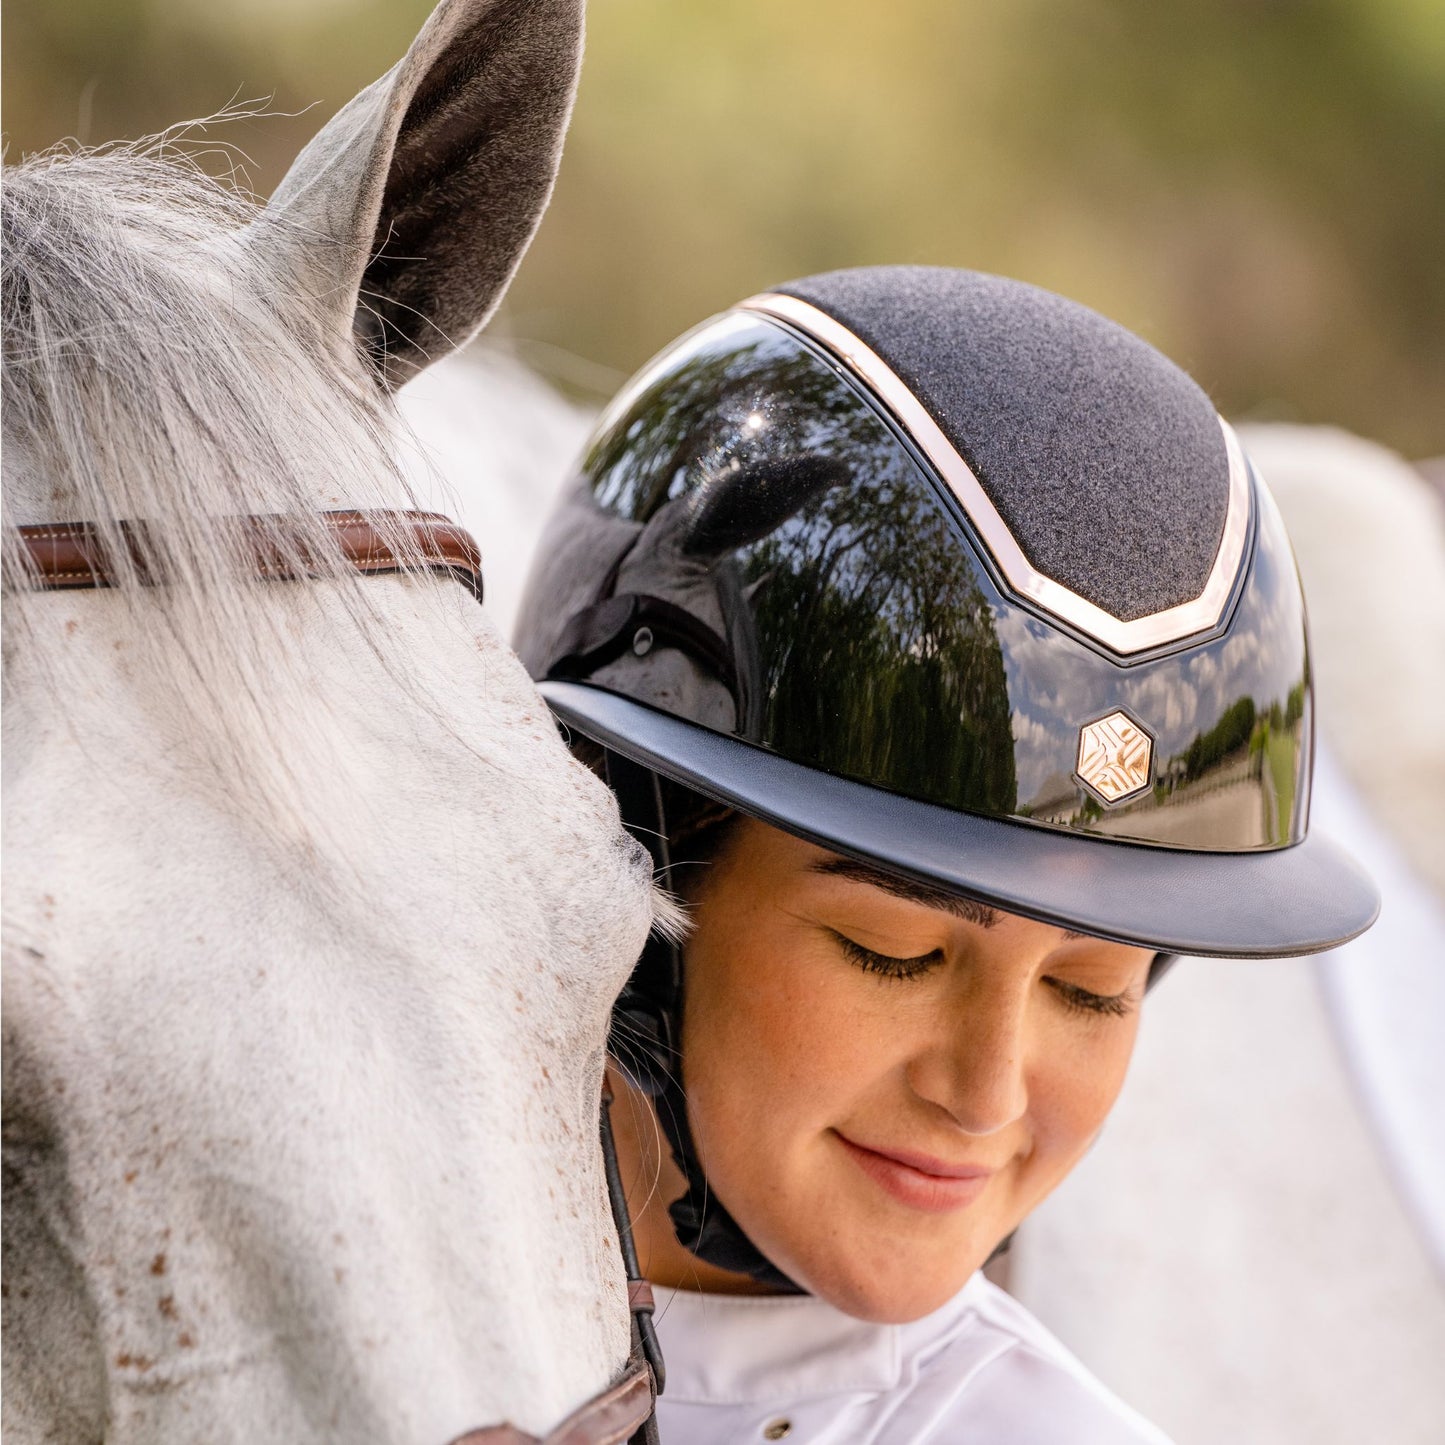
(638, 858)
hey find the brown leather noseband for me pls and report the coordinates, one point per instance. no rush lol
(66, 555)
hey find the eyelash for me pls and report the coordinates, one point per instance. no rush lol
(885, 965)
(1115, 1005)
(1118, 1005)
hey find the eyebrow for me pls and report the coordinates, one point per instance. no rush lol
(968, 909)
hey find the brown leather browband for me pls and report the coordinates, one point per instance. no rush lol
(72, 555)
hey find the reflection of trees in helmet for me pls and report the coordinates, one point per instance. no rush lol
(1249, 744)
(721, 453)
(878, 657)
(739, 403)
(850, 604)
(874, 590)
(1228, 735)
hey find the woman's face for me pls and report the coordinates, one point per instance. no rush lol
(883, 1081)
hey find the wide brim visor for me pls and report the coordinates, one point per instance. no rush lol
(1267, 903)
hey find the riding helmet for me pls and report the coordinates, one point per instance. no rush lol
(947, 573)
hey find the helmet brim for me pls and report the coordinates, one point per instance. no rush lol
(1268, 903)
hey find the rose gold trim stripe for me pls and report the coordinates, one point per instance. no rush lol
(1137, 635)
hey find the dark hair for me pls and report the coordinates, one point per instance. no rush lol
(697, 826)
(697, 831)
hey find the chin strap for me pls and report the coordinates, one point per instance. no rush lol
(1163, 962)
(702, 1225)
(644, 1042)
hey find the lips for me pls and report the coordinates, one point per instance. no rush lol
(919, 1181)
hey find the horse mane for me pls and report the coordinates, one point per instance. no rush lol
(160, 368)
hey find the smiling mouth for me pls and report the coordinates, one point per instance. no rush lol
(932, 1186)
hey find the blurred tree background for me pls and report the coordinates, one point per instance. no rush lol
(1257, 186)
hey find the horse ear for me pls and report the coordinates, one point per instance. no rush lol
(407, 214)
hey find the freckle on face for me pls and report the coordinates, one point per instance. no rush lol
(790, 1050)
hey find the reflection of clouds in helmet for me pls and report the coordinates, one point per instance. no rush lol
(1172, 707)
(1034, 753)
(1042, 678)
(1226, 714)
(1203, 669)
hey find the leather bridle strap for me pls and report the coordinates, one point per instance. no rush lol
(611, 1418)
(628, 1411)
(67, 555)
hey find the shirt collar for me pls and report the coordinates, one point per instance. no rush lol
(747, 1349)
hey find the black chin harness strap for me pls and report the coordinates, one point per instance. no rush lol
(645, 1022)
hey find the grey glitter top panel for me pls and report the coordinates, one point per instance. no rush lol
(1104, 459)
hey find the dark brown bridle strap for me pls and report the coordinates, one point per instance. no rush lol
(609, 1419)
(73, 555)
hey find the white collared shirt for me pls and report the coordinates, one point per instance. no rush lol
(981, 1369)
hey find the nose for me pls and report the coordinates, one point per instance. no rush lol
(973, 1065)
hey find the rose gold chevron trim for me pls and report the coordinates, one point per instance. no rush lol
(1137, 635)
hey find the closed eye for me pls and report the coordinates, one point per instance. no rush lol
(885, 964)
(1112, 1005)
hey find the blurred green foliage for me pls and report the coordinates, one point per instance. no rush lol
(1257, 186)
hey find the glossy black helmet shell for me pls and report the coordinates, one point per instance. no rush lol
(947, 573)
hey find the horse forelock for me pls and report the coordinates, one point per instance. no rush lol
(156, 356)
(160, 368)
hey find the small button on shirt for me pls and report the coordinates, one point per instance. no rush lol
(742, 1369)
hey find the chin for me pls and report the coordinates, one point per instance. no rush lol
(895, 1295)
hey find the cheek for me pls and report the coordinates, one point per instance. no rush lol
(774, 1044)
(1078, 1071)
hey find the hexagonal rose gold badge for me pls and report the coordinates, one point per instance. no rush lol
(1114, 757)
